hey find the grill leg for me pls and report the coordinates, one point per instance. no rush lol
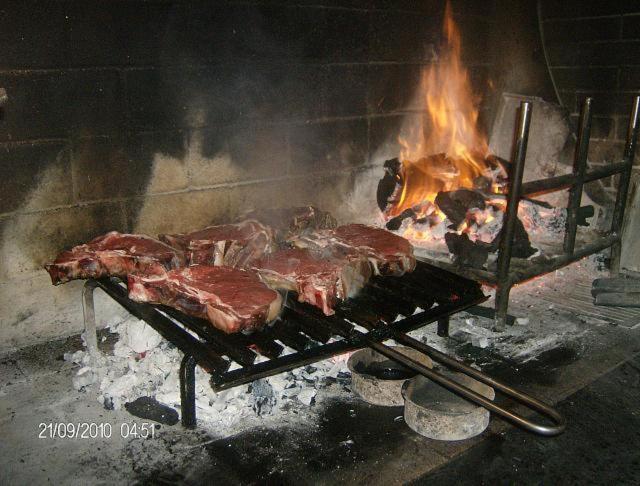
(89, 314)
(443, 327)
(502, 306)
(188, 391)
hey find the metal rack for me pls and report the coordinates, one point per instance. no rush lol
(505, 277)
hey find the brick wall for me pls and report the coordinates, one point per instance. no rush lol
(155, 116)
(593, 49)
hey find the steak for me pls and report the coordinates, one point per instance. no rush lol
(319, 280)
(233, 245)
(114, 254)
(287, 222)
(231, 299)
(389, 254)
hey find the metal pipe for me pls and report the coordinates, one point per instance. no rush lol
(89, 315)
(623, 184)
(579, 170)
(188, 391)
(558, 183)
(523, 398)
(443, 327)
(537, 269)
(511, 216)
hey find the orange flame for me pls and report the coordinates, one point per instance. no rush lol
(446, 151)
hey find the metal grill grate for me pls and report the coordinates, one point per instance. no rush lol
(386, 305)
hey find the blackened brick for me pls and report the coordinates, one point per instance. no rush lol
(320, 147)
(631, 26)
(594, 54)
(393, 87)
(630, 77)
(579, 8)
(34, 176)
(400, 36)
(82, 33)
(59, 104)
(347, 36)
(574, 30)
(122, 167)
(585, 78)
(346, 88)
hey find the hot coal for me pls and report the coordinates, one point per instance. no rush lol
(466, 252)
(521, 247)
(456, 204)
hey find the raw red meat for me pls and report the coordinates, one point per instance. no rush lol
(319, 281)
(231, 299)
(389, 254)
(287, 222)
(114, 254)
(233, 245)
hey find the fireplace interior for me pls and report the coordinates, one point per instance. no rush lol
(497, 138)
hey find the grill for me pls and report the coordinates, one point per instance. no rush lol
(388, 307)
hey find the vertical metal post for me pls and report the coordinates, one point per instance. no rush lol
(188, 391)
(511, 216)
(623, 184)
(89, 314)
(579, 169)
(443, 327)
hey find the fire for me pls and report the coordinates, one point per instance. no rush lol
(446, 151)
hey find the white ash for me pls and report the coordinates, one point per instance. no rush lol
(144, 364)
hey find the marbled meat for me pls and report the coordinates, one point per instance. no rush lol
(318, 280)
(231, 299)
(233, 245)
(114, 254)
(388, 254)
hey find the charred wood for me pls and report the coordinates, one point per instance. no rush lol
(455, 204)
(467, 252)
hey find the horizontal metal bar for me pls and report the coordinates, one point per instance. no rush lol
(289, 362)
(527, 400)
(537, 269)
(558, 183)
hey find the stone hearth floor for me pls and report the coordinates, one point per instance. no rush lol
(593, 376)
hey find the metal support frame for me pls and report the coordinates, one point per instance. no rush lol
(188, 391)
(443, 327)
(505, 277)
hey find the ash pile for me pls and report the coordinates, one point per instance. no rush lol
(142, 367)
(468, 220)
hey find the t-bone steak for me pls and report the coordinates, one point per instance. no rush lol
(389, 254)
(287, 222)
(318, 280)
(114, 254)
(231, 299)
(233, 245)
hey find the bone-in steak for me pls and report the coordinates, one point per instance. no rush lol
(233, 245)
(231, 299)
(389, 254)
(318, 280)
(292, 221)
(114, 254)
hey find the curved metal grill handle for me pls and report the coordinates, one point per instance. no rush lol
(527, 400)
